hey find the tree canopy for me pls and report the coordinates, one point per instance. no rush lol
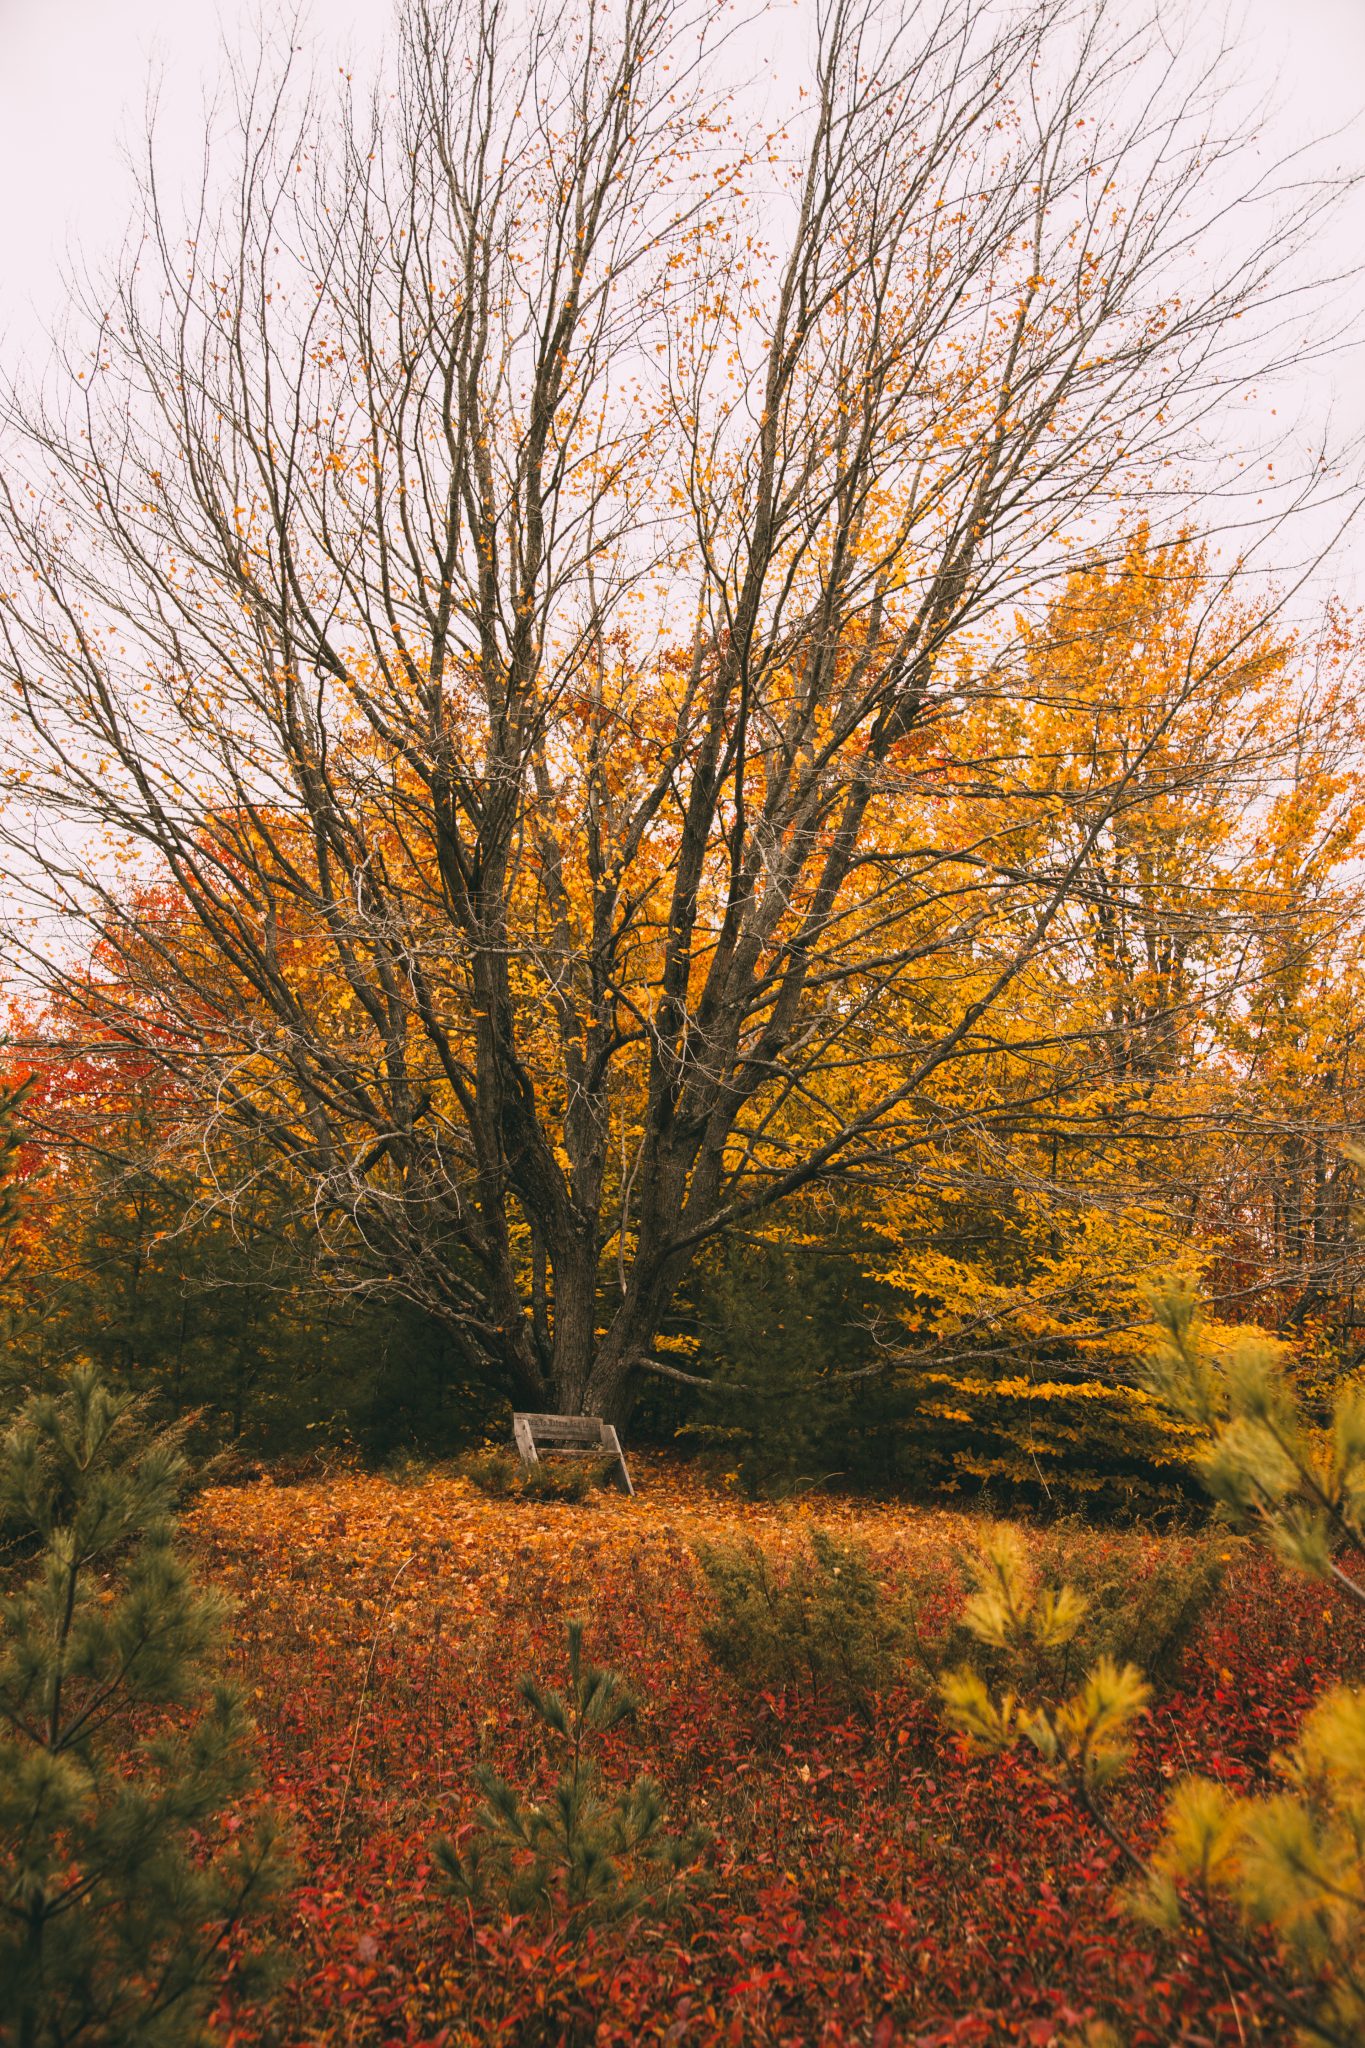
(589, 669)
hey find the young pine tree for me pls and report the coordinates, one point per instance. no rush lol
(117, 1752)
(585, 1851)
(1291, 1862)
(1084, 1730)
(1288, 1864)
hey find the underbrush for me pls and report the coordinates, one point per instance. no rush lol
(866, 1883)
(818, 1619)
(501, 1475)
(1144, 1596)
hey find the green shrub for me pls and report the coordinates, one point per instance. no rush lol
(494, 1470)
(583, 1851)
(117, 1750)
(820, 1620)
(567, 1479)
(1143, 1601)
(500, 1474)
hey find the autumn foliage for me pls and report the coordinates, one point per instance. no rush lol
(674, 676)
(866, 1879)
(656, 766)
(1168, 1081)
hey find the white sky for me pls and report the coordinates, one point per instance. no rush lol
(74, 77)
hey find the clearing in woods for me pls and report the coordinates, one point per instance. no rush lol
(866, 1883)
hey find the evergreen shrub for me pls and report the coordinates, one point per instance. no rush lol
(585, 1851)
(819, 1620)
(500, 1474)
(1142, 1600)
(494, 1470)
(120, 1753)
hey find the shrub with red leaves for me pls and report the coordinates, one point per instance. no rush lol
(868, 1884)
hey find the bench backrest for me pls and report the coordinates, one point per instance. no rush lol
(566, 1429)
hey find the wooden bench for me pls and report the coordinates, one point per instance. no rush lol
(577, 1436)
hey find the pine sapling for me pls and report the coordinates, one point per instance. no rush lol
(1291, 1863)
(1083, 1731)
(585, 1851)
(118, 1752)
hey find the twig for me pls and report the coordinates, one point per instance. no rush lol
(364, 1689)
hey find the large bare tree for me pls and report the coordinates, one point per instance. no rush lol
(490, 609)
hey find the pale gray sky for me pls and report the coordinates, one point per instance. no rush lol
(74, 77)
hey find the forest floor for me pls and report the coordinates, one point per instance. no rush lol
(866, 1883)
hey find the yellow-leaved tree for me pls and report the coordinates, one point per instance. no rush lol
(537, 573)
(1186, 1009)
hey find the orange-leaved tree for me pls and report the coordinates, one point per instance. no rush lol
(520, 566)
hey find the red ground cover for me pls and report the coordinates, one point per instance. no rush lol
(867, 1883)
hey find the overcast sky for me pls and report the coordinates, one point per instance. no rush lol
(74, 76)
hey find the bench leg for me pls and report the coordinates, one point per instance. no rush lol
(611, 1442)
(525, 1442)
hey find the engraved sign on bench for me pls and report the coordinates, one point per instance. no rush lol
(578, 1436)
